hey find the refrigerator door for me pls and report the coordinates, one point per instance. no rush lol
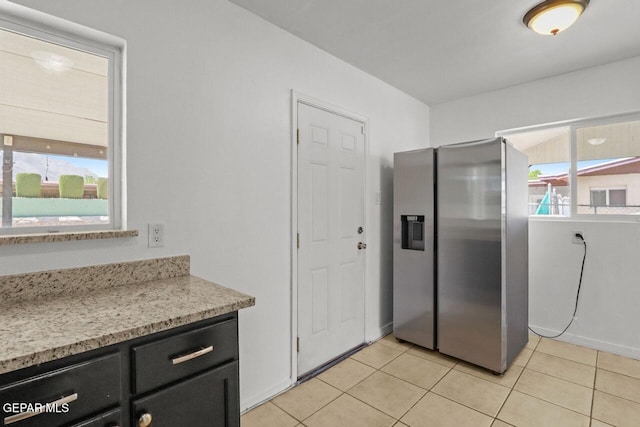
(471, 217)
(413, 247)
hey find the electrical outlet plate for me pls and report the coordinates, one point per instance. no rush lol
(576, 240)
(378, 197)
(156, 235)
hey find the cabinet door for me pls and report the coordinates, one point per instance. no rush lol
(108, 419)
(208, 400)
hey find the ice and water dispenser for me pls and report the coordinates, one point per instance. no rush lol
(412, 232)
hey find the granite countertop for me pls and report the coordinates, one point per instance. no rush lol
(38, 330)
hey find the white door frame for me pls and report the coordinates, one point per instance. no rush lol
(297, 97)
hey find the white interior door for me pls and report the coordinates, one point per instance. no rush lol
(331, 159)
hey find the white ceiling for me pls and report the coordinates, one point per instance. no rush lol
(439, 50)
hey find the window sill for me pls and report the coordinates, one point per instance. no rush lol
(19, 239)
(586, 218)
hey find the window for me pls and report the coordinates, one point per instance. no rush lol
(617, 197)
(59, 129)
(586, 168)
(598, 198)
(607, 197)
(608, 175)
(549, 159)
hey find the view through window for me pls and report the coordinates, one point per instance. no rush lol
(549, 163)
(608, 175)
(605, 174)
(54, 134)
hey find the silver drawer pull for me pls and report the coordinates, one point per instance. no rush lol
(24, 415)
(193, 355)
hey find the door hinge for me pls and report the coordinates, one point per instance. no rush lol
(298, 135)
(364, 131)
(298, 344)
(298, 240)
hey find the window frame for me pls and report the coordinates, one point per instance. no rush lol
(32, 23)
(573, 126)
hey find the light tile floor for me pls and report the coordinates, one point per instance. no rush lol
(388, 383)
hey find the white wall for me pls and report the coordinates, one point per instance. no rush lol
(209, 156)
(608, 315)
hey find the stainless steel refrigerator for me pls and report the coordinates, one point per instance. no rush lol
(480, 297)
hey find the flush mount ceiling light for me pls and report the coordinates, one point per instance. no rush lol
(553, 16)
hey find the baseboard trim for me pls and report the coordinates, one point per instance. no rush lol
(380, 332)
(591, 343)
(258, 399)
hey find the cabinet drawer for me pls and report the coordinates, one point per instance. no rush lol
(79, 389)
(207, 400)
(167, 360)
(107, 419)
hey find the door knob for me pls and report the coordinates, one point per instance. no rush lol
(362, 245)
(145, 420)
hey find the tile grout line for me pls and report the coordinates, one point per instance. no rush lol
(559, 379)
(590, 416)
(429, 390)
(433, 361)
(545, 400)
(415, 385)
(354, 397)
(345, 391)
(296, 418)
(319, 379)
(323, 406)
(619, 373)
(512, 388)
(284, 410)
(394, 358)
(461, 404)
(553, 403)
(396, 420)
(566, 358)
(555, 376)
(476, 377)
(618, 397)
(378, 409)
(405, 350)
(593, 392)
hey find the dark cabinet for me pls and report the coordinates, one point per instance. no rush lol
(206, 400)
(63, 395)
(107, 419)
(187, 376)
(160, 362)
